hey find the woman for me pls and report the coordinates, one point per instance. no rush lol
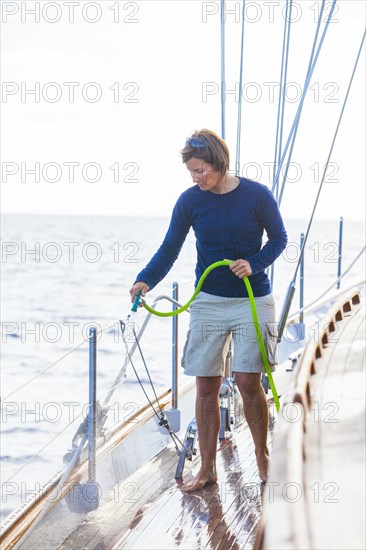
(228, 215)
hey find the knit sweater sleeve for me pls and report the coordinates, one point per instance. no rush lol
(163, 260)
(270, 218)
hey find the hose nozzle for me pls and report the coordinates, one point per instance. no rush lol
(137, 301)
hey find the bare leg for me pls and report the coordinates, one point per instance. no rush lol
(208, 426)
(256, 414)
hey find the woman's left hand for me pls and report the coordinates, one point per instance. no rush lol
(241, 268)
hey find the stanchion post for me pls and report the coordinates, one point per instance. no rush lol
(340, 242)
(175, 350)
(92, 402)
(302, 236)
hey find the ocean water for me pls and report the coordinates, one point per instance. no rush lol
(62, 274)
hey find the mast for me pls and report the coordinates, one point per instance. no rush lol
(223, 85)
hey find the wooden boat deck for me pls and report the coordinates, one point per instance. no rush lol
(314, 498)
(318, 465)
(149, 511)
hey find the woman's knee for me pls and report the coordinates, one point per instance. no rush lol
(208, 387)
(249, 383)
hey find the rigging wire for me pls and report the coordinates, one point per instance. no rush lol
(123, 369)
(35, 455)
(163, 420)
(238, 130)
(223, 135)
(297, 125)
(123, 326)
(283, 82)
(291, 289)
(281, 101)
(328, 159)
(118, 382)
(292, 316)
(312, 66)
(223, 85)
(306, 85)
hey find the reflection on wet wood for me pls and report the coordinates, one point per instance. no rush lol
(149, 511)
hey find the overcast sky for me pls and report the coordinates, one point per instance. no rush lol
(99, 97)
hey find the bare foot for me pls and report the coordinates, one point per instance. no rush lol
(201, 479)
(262, 462)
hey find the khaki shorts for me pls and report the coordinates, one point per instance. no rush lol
(214, 321)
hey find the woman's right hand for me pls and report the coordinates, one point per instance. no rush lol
(139, 286)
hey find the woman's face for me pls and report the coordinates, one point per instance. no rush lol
(203, 174)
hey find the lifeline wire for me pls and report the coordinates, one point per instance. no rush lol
(331, 286)
(163, 420)
(42, 448)
(114, 386)
(134, 369)
(52, 364)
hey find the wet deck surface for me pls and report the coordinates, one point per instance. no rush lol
(149, 511)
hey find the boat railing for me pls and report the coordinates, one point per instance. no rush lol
(89, 436)
(173, 300)
(79, 452)
(287, 303)
(289, 467)
(314, 350)
(94, 423)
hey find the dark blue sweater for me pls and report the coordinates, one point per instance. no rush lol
(227, 226)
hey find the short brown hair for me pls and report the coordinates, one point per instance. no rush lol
(215, 151)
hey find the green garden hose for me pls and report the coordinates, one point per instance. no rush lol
(254, 315)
